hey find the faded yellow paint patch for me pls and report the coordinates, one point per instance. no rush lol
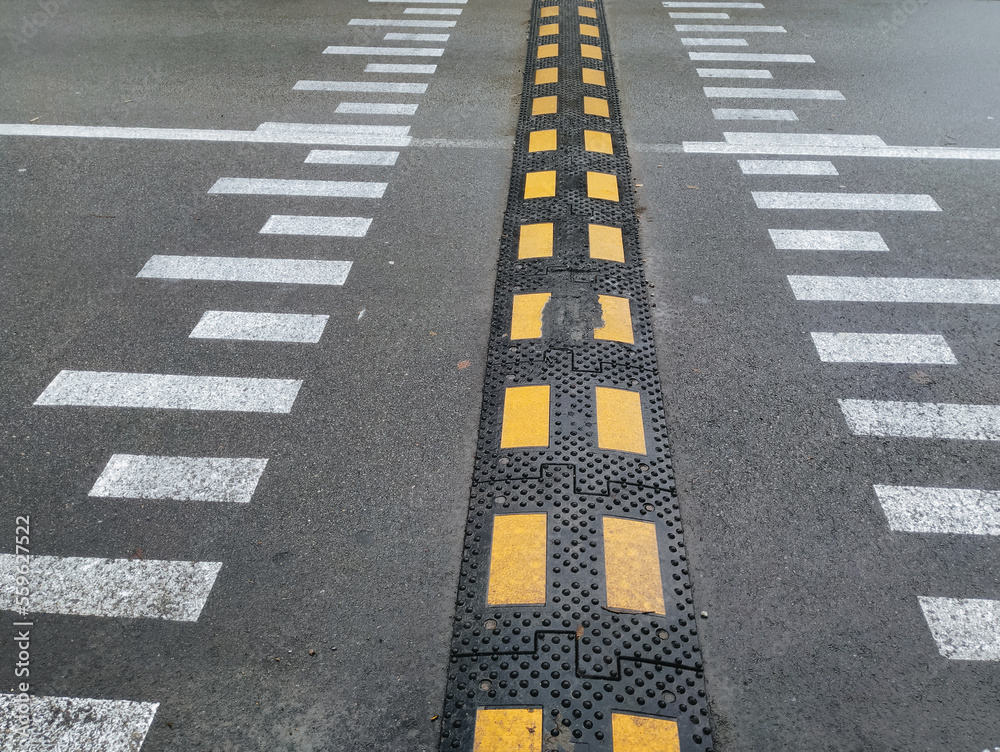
(548, 50)
(544, 105)
(517, 560)
(598, 141)
(640, 733)
(546, 30)
(508, 730)
(586, 12)
(601, 185)
(632, 567)
(549, 10)
(540, 184)
(594, 76)
(525, 417)
(535, 241)
(546, 76)
(542, 141)
(619, 421)
(589, 30)
(606, 243)
(596, 106)
(526, 315)
(617, 320)
(592, 51)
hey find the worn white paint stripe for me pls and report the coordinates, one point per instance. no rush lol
(269, 187)
(800, 139)
(234, 269)
(786, 167)
(922, 420)
(713, 42)
(449, 2)
(750, 57)
(723, 113)
(435, 11)
(740, 92)
(335, 128)
(896, 290)
(170, 392)
(117, 588)
(260, 327)
(855, 347)
(364, 86)
(375, 108)
(74, 724)
(844, 201)
(896, 152)
(733, 73)
(920, 509)
(397, 51)
(345, 157)
(405, 22)
(827, 240)
(398, 68)
(221, 479)
(398, 37)
(711, 5)
(735, 29)
(331, 227)
(715, 16)
(965, 629)
(463, 143)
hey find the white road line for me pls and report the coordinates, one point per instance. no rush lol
(397, 51)
(335, 129)
(711, 5)
(365, 86)
(740, 92)
(723, 113)
(234, 269)
(269, 187)
(221, 479)
(345, 157)
(827, 240)
(844, 201)
(713, 42)
(331, 227)
(449, 2)
(855, 347)
(435, 11)
(786, 167)
(750, 57)
(896, 290)
(919, 509)
(114, 588)
(800, 139)
(922, 420)
(75, 724)
(398, 68)
(735, 29)
(398, 37)
(965, 629)
(733, 73)
(897, 152)
(716, 16)
(260, 327)
(375, 108)
(169, 392)
(405, 22)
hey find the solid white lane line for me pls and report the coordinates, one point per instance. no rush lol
(750, 57)
(920, 509)
(898, 152)
(398, 37)
(365, 86)
(234, 269)
(844, 201)
(800, 139)
(713, 42)
(786, 167)
(114, 588)
(169, 392)
(855, 347)
(405, 22)
(398, 68)
(335, 129)
(716, 16)
(965, 629)
(733, 73)
(735, 29)
(260, 327)
(219, 479)
(896, 290)
(922, 420)
(398, 51)
(270, 187)
(345, 157)
(827, 240)
(374, 108)
(723, 113)
(331, 227)
(711, 5)
(75, 724)
(442, 2)
(435, 11)
(739, 92)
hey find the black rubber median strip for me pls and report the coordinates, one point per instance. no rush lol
(575, 628)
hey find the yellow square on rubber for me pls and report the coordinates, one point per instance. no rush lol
(606, 243)
(544, 105)
(547, 30)
(640, 733)
(598, 141)
(548, 50)
(594, 76)
(586, 12)
(596, 106)
(589, 30)
(525, 417)
(543, 184)
(542, 140)
(549, 10)
(546, 76)
(535, 241)
(591, 50)
(599, 185)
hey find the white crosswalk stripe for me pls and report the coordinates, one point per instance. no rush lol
(217, 479)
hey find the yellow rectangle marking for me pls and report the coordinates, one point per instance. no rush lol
(546, 30)
(544, 105)
(517, 561)
(596, 106)
(600, 185)
(546, 76)
(525, 417)
(586, 12)
(632, 567)
(639, 733)
(606, 243)
(549, 10)
(617, 320)
(508, 730)
(598, 141)
(548, 50)
(619, 423)
(542, 141)
(589, 30)
(541, 184)
(591, 51)
(526, 315)
(535, 241)
(594, 76)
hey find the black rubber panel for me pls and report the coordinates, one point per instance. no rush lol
(574, 657)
